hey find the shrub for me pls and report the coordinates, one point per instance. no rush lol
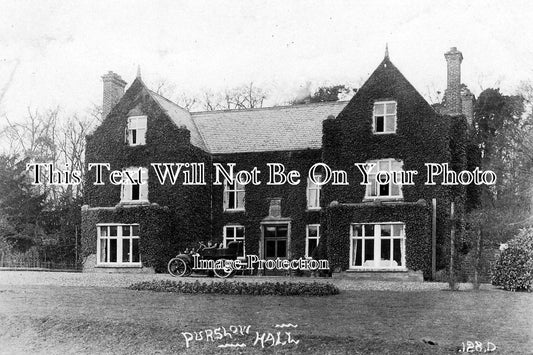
(239, 288)
(513, 271)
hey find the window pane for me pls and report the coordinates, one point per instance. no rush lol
(113, 231)
(126, 250)
(312, 245)
(103, 231)
(386, 230)
(397, 165)
(112, 250)
(239, 232)
(103, 250)
(373, 186)
(379, 109)
(357, 230)
(270, 248)
(231, 200)
(135, 252)
(357, 250)
(383, 190)
(133, 136)
(282, 248)
(141, 136)
(395, 190)
(369, 249)
(380, 124)
(141, 123)
(369, 230)
(389, 123)
(135, 192)
(397, 229)
(397, 254)
(282, 232)
(270, 232)
(382, 178)
(126, 231)
(391, 107)
(384, 165)
(230, 233)
(240, 199)
(385, 251)
(313, 231)
(313, 198)
(135, 230)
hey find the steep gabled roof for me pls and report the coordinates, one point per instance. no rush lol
(386, 82)
(180, 117)
(281, 128)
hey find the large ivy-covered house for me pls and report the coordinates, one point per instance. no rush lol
(360, 229)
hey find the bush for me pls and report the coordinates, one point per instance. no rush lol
(513, 271)
(239, 288)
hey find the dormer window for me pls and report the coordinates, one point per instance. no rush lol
(136, 130)
(384, 117)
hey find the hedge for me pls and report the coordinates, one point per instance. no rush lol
(240, 288)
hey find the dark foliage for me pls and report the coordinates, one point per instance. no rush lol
(240, 288)
(20, 205)
(160, 240)
(513, 271)
(422, 136)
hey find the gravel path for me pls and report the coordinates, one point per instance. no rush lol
(20, 278)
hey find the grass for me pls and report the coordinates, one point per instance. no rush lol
(67, 320)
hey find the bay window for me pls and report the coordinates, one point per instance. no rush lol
(377, 246)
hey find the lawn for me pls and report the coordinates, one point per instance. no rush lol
(65, 320)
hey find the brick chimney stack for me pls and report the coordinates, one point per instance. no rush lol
(467, 99)
(113, 91)
(452, 95)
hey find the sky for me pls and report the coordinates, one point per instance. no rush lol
(53, 53)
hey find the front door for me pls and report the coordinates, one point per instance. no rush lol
(276, 241)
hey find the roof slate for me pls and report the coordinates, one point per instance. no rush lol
(181, 117)
(281, 128)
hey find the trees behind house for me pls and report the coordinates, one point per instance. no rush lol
(241, 97)
(326, 94)
(502, 132)
(39, 223)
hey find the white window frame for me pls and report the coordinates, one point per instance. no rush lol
(308, 237)
(313, 191)
(385, 115)
(235, 238)
(136, 130)
(236, 190)
(126, 193)
(100, 261)
(371, 266)
(374, 184)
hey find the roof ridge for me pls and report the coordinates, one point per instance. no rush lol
(322, 103)
(204, 141)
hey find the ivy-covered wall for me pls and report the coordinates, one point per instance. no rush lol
(257, 197)
(422, 136)
(159, 238)
(417, 219)
(194, 213)
(165, 143)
